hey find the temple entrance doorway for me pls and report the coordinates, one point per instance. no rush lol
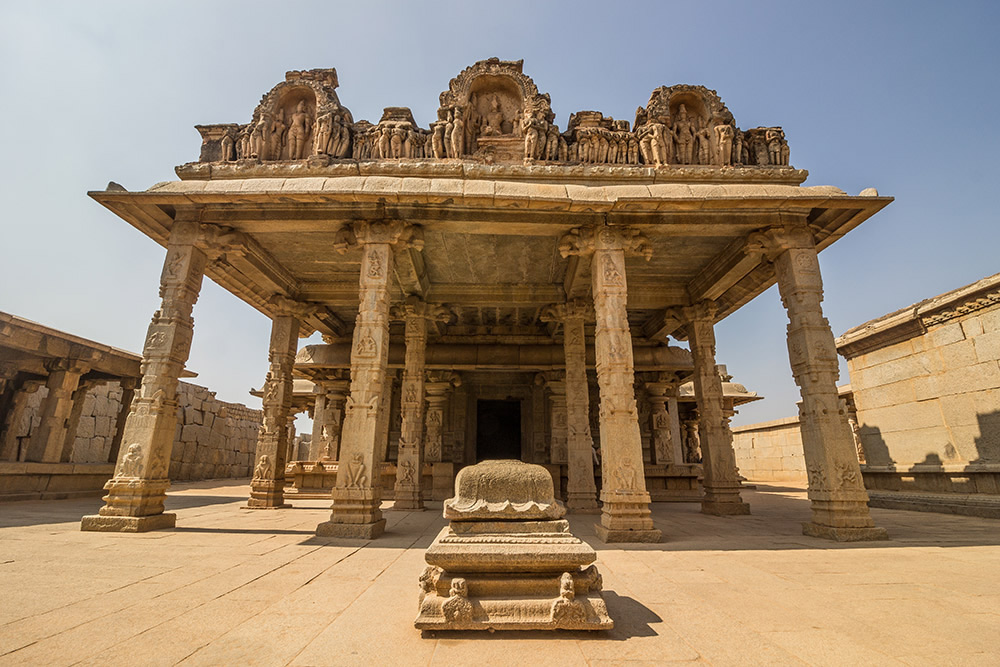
(498, 430)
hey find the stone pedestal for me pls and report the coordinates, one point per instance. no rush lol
(721, 478)
(625, 515)
(507, 561)
(836, 489)
(134, 502)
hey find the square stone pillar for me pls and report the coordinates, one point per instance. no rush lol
(47, 442)
(16, 413)
(721, 478)
(328, 417)
(384, 419)
(555, 383)
(581, 489)
(136, 493)
(625, 515)
(356, 497)
(267, 488)
(410, 456)
(73, 422)
(836, 489)
(675, 424)
(438, 384)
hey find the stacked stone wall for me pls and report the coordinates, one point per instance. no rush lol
(770, 451)
(214, 439)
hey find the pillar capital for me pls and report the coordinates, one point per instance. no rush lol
(702, 311)
(414, 309)
(440, 381)
(282, 306)
(554, 381)
(75, 366)
(219, 242)
(586, 240)
(773, 241)
(572, 309)
(391, 232)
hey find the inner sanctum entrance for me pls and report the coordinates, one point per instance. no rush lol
(498, 430)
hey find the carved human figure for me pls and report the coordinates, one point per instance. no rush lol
(132, 461)
(692, 444)
(437, 140)
(276, 136)
(773, 137)
(552, 144)
(449, 128)
(357, 472)
(228, 147)
(458, 135)
(530, 138)
(613, 150)
(298, 131)
(633, 149)
(407, 472)
(324, 130)
(396, 137)
(243, 144)
(856, 434)
(645, 142)
(258, 143)
(684, 136)
(263, 469)
(494, 119)
(724, 140)
(703, 141)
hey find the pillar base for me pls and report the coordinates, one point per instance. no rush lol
(583, 503)
(254, 504)
(363, 531)
(725, 508)
(610, 535)
(408, 505)
(266, 494)
(127, 524)
(845, 534)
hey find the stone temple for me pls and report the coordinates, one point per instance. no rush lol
(494, 286)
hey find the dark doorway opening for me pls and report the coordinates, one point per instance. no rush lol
(498, 430)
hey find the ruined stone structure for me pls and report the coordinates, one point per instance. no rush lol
(926, 385)
(508, 561)
(498, 262)
(212, 438)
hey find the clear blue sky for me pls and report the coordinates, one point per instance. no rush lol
(901, 96)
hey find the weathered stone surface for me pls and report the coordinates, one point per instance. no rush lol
(507, 561)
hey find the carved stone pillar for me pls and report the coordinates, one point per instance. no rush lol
(356, 497)
(267, 488)
(663, 443)
(625, 515)
(675, 425)
(438, 384)
(47, 442)
(128, 386)
(555, 383)
(73, 421)
(581, 490)
(328, 416)
(410, 456)
(721, 479)
(9, 450)
(382, 424)
(692, 442)
(836, 489)
(136, 493)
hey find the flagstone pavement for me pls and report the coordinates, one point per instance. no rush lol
(231, 586)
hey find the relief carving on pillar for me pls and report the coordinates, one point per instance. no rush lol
(131, 465)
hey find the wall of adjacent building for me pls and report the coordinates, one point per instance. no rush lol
(770, 451)
(214, 439)
(932, 400)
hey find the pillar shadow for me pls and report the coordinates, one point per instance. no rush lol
(876, 451)
(988, 442)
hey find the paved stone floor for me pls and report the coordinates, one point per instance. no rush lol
(232, 586)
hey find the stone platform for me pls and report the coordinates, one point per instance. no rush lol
(232, 586)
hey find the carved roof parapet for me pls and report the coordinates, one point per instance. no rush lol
(491, 112)
(585, 240)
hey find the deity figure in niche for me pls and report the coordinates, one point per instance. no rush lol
(684, 135)
(493, 118)
(298, 132)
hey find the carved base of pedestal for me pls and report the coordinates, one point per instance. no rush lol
(725, 508)
(360, 531)
(610, 535)
(845, 534)
(266, 494)
(127, 524)
(409, 504)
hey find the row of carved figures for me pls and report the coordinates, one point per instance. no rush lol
(684, 142)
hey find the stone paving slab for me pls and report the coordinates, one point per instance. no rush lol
(233, 586)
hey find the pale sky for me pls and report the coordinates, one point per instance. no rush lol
(900, 96)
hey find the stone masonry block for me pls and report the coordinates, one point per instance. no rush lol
(895, 393)
(946, 334)
(972, 326)
(987, 346)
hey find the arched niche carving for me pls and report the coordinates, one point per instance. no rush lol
(275, 127)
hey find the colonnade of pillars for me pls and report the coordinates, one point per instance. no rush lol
(135, 494)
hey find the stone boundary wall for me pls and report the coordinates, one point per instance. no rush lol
(214, 439)
(770, 451)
